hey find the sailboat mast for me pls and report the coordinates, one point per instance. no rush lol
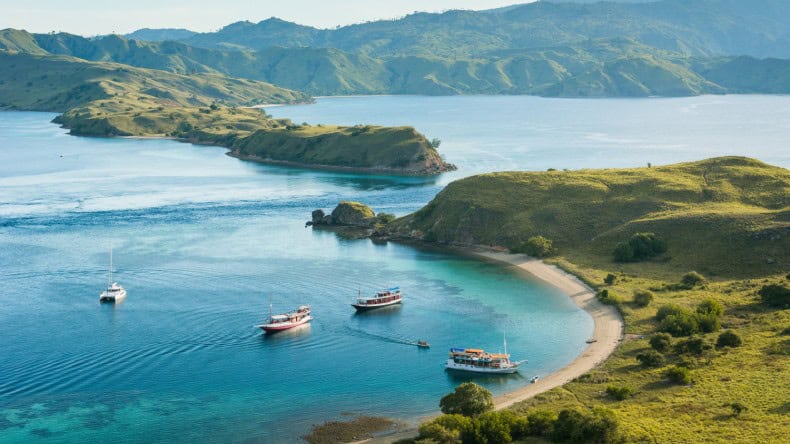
(504, 341)
(271, 313)
(109, 275)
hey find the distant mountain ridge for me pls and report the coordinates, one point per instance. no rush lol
(758, 28)
(616, 67)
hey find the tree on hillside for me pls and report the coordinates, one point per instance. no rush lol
(468, 399)
(775, 295)
(537, 246)
(639, 247)
(692, 279)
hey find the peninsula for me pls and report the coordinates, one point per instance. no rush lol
(693, 256)
(110, 99)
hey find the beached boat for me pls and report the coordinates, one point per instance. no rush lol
(534, 379)
(384, 298)
(286, 321)
(114, 292)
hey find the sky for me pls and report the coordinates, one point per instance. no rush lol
(96, 17)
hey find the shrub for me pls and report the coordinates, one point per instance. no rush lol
(669, 309)
(608, 298)
(385, 218)
(650, 358)
(642, 298)
(498, 427)
(737, 408)
(708, 323)
(537, 246)
(540, 422)
(574, 426)
(640, 246)
(678, 375)
(728, 339)
(692, 279)
(468, 399)
(775, 295)
(436, 433)
(610, 279)
(619, 393)
(447, 429)
(695, 346)
(710, 306)
(660, 342)
(684, 324)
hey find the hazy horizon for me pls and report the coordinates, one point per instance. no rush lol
(93, 17)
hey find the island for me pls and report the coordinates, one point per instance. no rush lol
(109, 99)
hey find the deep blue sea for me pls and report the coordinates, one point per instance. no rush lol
(202, 242)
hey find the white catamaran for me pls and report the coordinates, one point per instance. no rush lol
(114, 291)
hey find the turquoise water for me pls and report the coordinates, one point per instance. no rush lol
(201, 240)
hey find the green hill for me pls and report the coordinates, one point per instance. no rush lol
(58, 83)
(111, 99)
(757, 28)
(727, 216)
(593, 68)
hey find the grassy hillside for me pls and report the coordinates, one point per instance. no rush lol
(694, 27)
(58, 83)
(727, 216)
(249, 134)
(110, 99)
(593, 68)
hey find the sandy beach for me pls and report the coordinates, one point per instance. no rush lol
(607, 332)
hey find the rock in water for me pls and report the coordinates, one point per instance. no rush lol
(352, 213)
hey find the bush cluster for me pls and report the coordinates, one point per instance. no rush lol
(775, 295)
(679, 321)
(640, 246)
(642, 298)
(478, 424)
(650, 358)
(728, 339)
(678, 375)
(619, 393)
(608, 298)
(536, 246)
(691, 280)
(661, 342)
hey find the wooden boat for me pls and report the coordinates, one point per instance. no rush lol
(386, 298)
(286, 321)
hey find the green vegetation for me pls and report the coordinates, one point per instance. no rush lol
(640, 247)
(723, 217)
(678, 375)
(728, 339)
(775, 295)
(670, 48)
(536, 246)
(468, 399)
(109, 99)
(643, 298)
(619, 393)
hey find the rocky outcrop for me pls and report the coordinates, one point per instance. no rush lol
(347, 214)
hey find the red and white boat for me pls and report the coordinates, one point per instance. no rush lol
(384, 298)
(286, 321)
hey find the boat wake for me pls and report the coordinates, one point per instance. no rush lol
(394, 339)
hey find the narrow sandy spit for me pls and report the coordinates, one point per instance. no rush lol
(607, 332)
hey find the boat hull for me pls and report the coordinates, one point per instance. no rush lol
(113, 297)
(274, 328)
(366, 307)
(475, 369)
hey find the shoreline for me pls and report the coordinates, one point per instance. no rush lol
(608, 331)
(339, 168)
